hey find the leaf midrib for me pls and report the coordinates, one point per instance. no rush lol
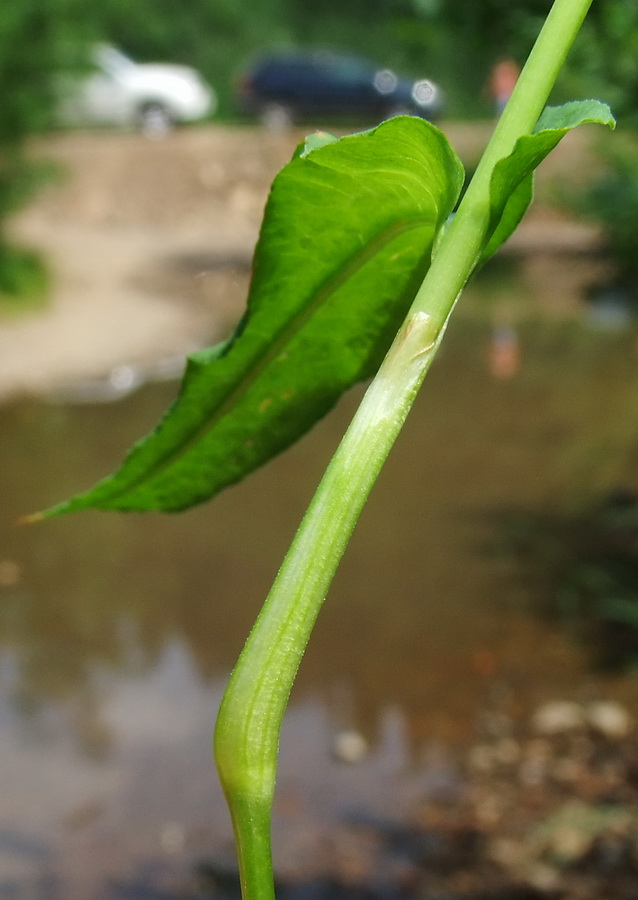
(294, 325)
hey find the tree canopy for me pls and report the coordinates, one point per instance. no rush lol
(455, 42)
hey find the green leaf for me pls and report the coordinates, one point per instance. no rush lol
(346, 240)
(512, 185)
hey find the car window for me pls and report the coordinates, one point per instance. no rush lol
(111, 60)
(350, 72)
(302, 69)
(285, 69)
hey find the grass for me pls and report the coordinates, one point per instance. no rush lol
(24, 279)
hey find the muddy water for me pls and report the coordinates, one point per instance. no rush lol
(117, 632)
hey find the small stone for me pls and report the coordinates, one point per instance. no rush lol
(570, 843)
(481, 758)
(172, 837)
(349, 746)
(609, 719)
(10, 573)
(557, 717)
(507, 752)
(538, 749)
(489, 810)
(533, 772)
(543, 877)
(534, 767)
(507, 852)
(568, 770)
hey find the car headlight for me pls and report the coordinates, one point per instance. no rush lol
(385, 81)
(424, 92)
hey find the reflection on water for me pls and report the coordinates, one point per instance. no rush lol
(117, 632)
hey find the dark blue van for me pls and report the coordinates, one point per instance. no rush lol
(286, 88)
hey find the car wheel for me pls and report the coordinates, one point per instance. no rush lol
(276, 116)
(155, 120)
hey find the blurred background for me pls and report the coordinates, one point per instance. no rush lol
(465, 721)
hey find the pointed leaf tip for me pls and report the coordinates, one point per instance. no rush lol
(31, 518)
(512, 185)
(576, 112)
(346, 239)
(315, 141)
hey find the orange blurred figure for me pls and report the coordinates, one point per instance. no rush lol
(505, 351)
(502, 82)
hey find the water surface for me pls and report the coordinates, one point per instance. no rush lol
(117, 632)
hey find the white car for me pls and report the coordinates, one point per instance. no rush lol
(151, 96)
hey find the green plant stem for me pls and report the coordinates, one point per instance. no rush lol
(461, 246)
(247, 731)
(249, 721)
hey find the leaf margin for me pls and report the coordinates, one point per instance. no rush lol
(512, 181)
(309, 151)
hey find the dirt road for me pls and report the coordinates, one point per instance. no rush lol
(150, 245)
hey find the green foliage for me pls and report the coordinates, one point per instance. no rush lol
(216, 36)
(512, 180)
(346, 240)
(24, 278)
(452, 41)
(583, 566)
(37, 41)
(606, 56)
(35, 44)
(611, 201)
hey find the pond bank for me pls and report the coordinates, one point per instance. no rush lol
(150, 245)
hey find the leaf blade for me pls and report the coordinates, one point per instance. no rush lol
(512, 184)
(365, 209)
